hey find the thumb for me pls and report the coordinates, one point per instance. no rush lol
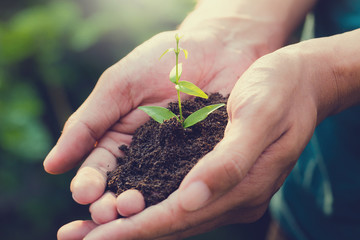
(82, 130)
(224, 167)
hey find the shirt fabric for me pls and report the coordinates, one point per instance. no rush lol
(320, 199)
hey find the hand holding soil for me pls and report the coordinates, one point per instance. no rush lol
(234, 174)
(211, 192)
(234, 182)
(273, 109)
(109, 117)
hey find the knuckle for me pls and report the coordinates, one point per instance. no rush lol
(233, 169)
(177, 228)
(69, 122)
(74, 122)
(91, 131)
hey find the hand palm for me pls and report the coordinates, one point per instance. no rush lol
(258, 167)
(110, 115)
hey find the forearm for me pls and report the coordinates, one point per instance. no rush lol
(344, 60)
(269, 21)
(332, 66)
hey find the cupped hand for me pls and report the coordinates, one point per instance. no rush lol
(272, 115)
(109, 116)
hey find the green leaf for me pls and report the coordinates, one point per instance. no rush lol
(191, 89)
(201, 114)
(167, 50)
(159, 114)
(172, 74)
(186, 53)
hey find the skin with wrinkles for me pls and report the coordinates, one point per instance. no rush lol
(277, 97)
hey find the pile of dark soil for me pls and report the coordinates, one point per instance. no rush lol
(160, 155)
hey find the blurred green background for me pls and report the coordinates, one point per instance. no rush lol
(51, 55)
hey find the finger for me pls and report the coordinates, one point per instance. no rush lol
(167, 220)
(130, 203)
(225, 80)
(104, 209)
(234, 216)
(99, 112)
(221, 169)
(132, 121)
(153, 222)
(160, 220)
(129, 123)
(246, 137)
(254, 123)
(90, 181)
(76, 230)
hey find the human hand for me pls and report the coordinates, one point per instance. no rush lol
(156, 230)
(272, 115)
(273, 111)
(109, 116)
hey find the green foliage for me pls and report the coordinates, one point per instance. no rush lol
(172, 76)
(166, 51)
(21, 131)
(37, 30)
(161, 114)
(191, 89)
(201, 114)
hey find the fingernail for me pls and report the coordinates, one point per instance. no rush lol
(194, 196)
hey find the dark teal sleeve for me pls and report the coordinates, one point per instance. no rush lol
(336, 16)
(321, 197)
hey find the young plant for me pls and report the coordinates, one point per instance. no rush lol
(161, 114)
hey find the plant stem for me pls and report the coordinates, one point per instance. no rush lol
(180, 110)
(177, 78)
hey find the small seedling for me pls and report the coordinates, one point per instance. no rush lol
(161, 114)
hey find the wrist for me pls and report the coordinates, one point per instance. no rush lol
(266, 23)
(333, 71)
(344, 63)
(239, 31)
